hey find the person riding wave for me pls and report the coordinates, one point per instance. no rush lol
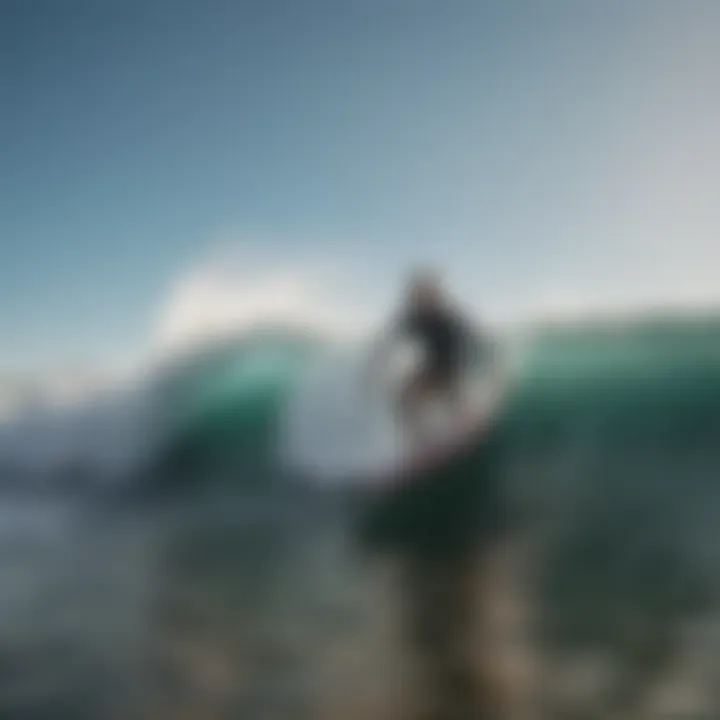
(449, 342)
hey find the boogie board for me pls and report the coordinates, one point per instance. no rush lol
(416, 463)
(337, 430)
(455, 435)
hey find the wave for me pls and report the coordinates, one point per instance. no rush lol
(120, 433)
(227, 399)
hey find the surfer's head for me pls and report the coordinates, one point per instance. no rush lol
(425, 290)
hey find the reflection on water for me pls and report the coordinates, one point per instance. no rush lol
(257, 604)
(223, 605)
(74, 594)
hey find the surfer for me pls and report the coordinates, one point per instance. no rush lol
(448, 343)
(446, 528)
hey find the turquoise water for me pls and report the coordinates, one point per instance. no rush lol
(646, 380)
(248, 598)
(607, 446)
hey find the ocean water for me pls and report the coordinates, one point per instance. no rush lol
(222, 586)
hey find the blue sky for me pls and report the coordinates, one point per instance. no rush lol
(543, 151)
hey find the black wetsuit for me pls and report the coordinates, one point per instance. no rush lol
(445, 338)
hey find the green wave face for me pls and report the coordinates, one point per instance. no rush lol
(227, 400)
(636, 380)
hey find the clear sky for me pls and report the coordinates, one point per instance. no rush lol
(548, 153)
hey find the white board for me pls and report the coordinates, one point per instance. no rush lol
(340, 426)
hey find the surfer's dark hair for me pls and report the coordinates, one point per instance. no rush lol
(424, 277)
